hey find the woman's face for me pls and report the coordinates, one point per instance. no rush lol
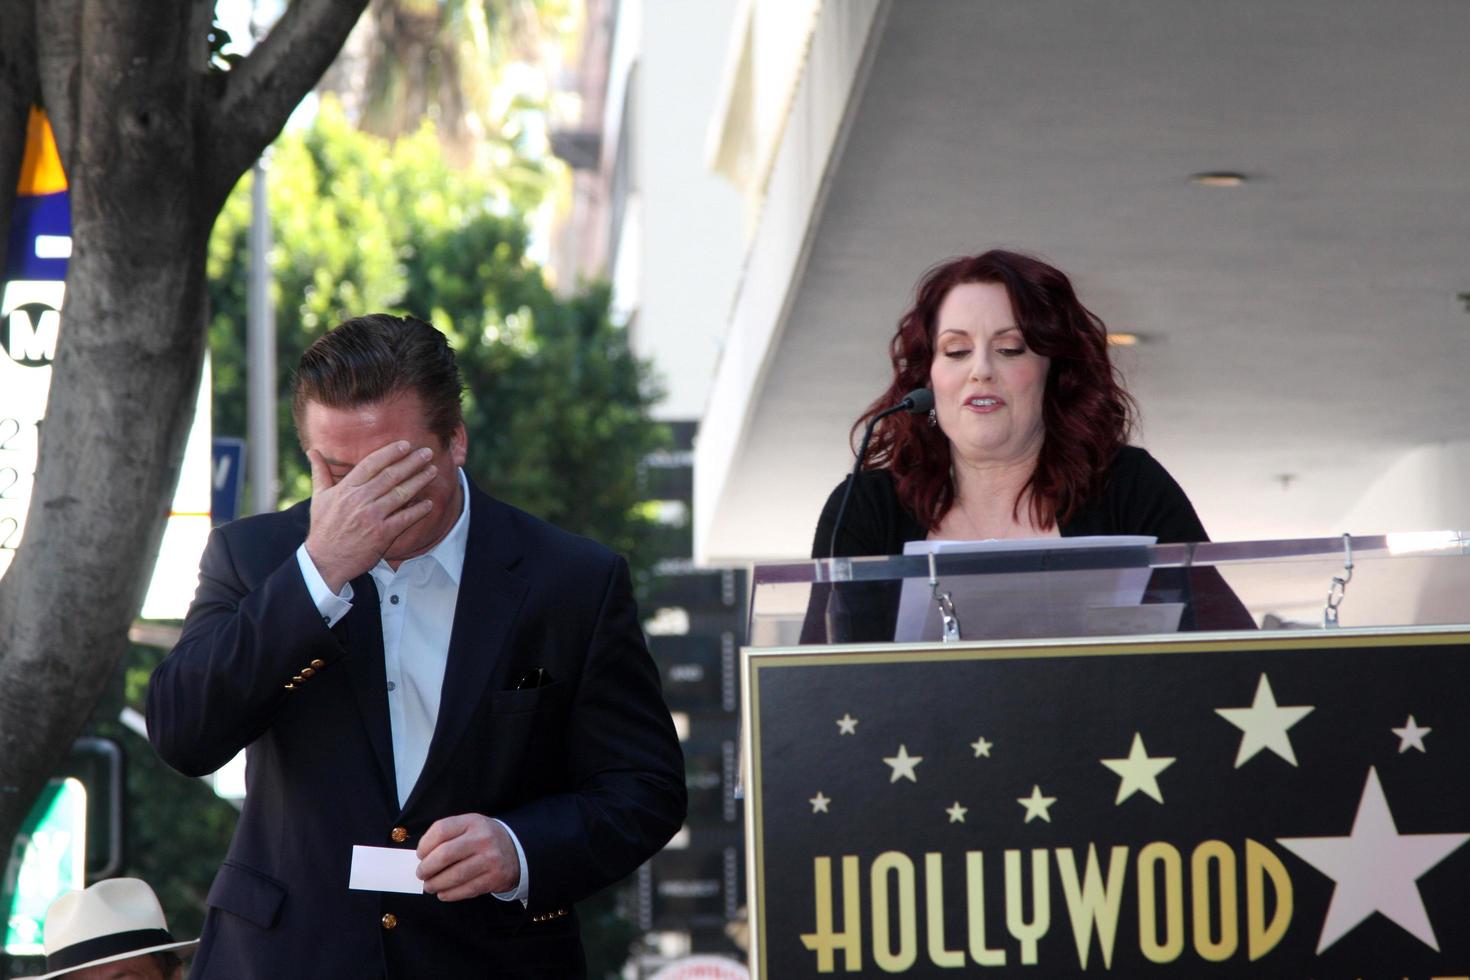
(988, 385)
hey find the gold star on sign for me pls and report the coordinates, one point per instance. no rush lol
(1411, 736)
(1139, 772)
(819, 803)
(957, 812)
(1264, 724)
(1037, 805)
(903, 765)
(847, 725)
(981, 747)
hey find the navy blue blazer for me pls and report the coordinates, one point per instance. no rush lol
(586, 768)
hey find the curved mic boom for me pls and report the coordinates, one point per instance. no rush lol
(916, 402)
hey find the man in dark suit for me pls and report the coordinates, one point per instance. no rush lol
(412, 664)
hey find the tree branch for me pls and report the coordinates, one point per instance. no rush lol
(59, 51)
(260, 93)
(18, 87)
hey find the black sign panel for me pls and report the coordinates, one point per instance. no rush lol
(709, 777)
(698, 672)
(1278, 805)
(697, 885)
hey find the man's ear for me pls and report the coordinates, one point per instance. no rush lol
(459, 444)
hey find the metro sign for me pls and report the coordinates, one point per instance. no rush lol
(28, 334)
(32, 288)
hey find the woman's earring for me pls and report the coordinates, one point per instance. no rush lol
(933, 418)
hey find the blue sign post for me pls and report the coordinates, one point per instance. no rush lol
(227, 479)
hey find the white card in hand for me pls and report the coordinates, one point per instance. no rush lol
(385, 869)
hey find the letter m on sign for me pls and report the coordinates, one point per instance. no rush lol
(29, 334)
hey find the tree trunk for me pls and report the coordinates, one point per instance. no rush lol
(152, 141)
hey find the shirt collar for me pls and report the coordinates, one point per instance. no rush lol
(449, 552)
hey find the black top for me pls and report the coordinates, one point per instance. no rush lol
(1138, 497)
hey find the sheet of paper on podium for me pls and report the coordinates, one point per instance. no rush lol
(1016, 605)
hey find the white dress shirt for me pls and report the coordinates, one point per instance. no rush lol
(416, 604)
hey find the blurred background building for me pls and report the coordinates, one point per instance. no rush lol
(649, 216)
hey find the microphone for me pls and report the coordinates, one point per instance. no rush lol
(917, 402)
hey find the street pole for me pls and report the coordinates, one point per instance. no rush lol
(260, 356)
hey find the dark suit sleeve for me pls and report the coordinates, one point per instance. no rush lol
(242, 642)
(624, 764)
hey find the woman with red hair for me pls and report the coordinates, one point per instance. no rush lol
(1028, 436)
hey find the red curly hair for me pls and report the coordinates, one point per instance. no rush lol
(1086, 412)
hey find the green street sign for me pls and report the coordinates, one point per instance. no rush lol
(49, 857)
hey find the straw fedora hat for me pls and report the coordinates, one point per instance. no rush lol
(113, 920)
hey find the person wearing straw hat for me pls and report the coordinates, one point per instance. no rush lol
(113, 930)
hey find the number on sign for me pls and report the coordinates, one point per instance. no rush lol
(9, 429)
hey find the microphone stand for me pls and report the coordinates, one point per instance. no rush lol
(839, 619)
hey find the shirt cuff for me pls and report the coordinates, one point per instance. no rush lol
(332, 606)
(523, 889)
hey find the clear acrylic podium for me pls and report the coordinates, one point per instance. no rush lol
(1244, 759)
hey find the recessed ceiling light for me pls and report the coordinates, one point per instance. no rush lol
(1125, 339)
(1218, 178)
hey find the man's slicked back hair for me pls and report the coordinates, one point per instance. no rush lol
(371, 358)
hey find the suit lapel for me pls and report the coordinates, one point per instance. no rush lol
(489, 600)
(364, 664)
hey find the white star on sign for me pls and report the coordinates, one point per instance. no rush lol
(1037, 805)
(981, 747)
(957, 812)
(1139, 772)
(903, 765)
(819, 803)
(847, 725)
(1376, 869)
(1411, 736)
(1264, 724)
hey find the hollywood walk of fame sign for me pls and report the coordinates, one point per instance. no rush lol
(1243, 807)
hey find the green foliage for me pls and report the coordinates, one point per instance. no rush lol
(609, 929)
(557, 404)
(476, 67)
